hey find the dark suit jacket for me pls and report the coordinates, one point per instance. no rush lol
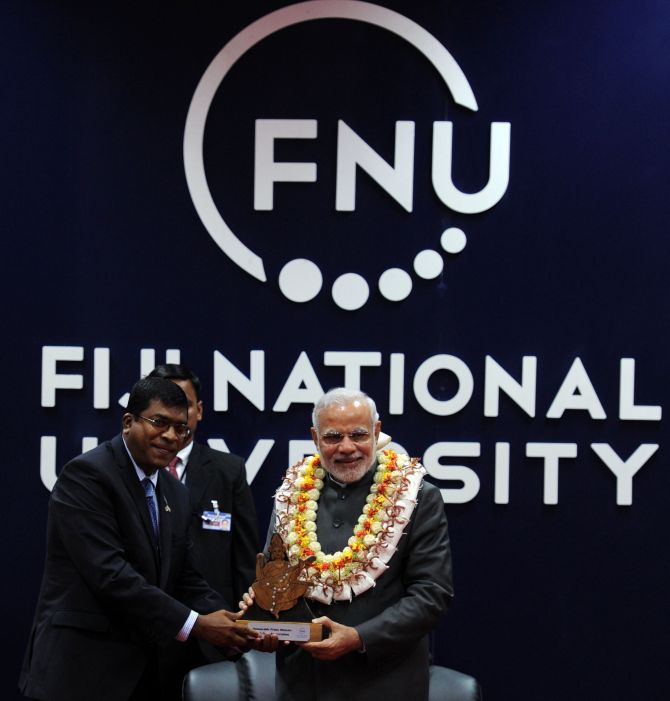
(109, 600)
(393, 618)
(227, 559)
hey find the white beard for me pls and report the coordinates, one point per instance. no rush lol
(349, 475)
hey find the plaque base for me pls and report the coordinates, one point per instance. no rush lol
(289, 630)
(294, 624)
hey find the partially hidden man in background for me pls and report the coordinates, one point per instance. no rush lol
(382, 574)
(119, 582)
(225, 544)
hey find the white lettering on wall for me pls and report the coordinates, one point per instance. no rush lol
(627, 407)
(497, 379)
(501, 484)
(48, 462)
(52, 380)
(396, 180)
(267, 171)
(492, 192)
(252, 387)
(578, 393)
(396, 383)
(441, 407)
(255, 460)
(624, 470)
(301, 387)
(458, 473)
(101, 378)
(298, 449)
(551, 454)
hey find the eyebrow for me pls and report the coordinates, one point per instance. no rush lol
(358, 429)
(165, 418)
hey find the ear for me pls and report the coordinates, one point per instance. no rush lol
(126, 422)
(315, 436)
(377, 429)
(198, 408)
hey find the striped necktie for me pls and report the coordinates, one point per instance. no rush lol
(151, 503)
(172, 467)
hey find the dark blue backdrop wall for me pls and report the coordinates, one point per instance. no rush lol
(470, 223)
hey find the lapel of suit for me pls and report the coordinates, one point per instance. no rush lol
(164, 494)
(136, 493)
(198, 473)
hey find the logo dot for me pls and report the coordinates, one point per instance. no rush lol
(453, 240)
(300, 280)
(428, 264)
(350, 291)
(395, 284)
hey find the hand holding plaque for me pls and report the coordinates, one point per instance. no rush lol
(279, 606)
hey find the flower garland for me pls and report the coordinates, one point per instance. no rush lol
(387, 510)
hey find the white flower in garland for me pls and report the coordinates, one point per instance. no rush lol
(387, 510)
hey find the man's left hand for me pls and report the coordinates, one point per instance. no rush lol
(341, 641)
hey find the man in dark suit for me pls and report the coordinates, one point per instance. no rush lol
(225, 545)
(119, 583)
(382, 574)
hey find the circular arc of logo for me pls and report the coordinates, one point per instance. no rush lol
(194, 130)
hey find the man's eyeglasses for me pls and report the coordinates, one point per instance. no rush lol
(162, 425)
(333, 438)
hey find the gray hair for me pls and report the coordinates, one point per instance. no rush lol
(340, 396)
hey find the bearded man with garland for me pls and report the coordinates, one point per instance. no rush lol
(382, 576)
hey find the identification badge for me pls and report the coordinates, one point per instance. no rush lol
(216, 520)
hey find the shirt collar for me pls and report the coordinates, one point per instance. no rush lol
(141, 475)
(185, 453)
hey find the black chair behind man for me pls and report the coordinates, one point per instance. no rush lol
(252, 679)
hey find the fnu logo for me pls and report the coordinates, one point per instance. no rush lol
(301, 279)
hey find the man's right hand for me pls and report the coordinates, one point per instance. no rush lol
(219, 629)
